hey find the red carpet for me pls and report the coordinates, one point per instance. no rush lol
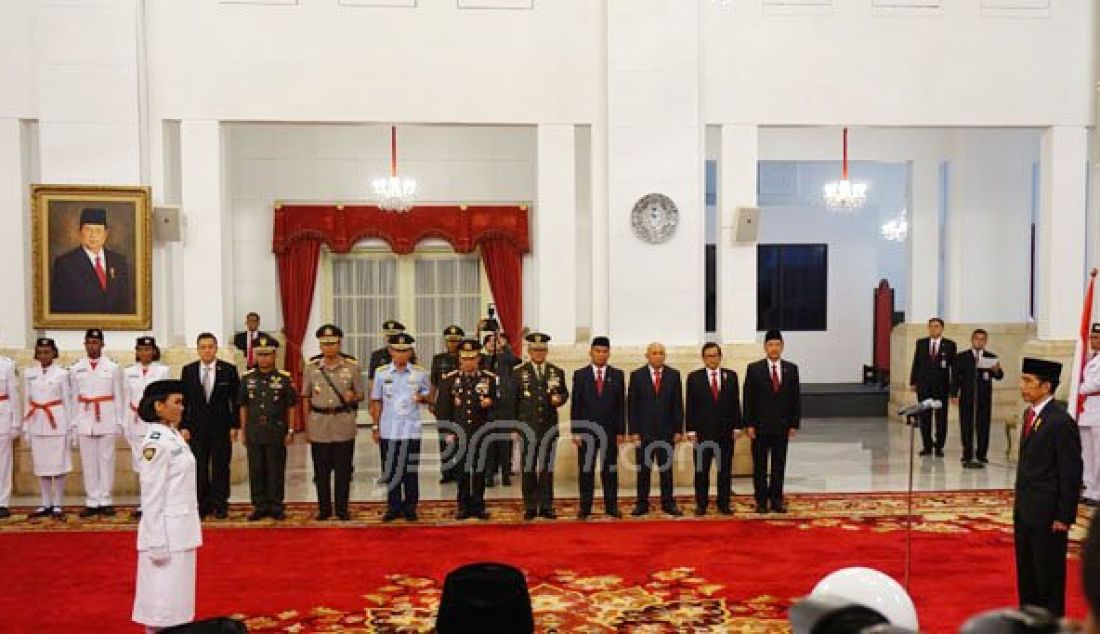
(745, 572)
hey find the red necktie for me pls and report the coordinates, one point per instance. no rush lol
(657, 381)
(775, 379)
(1029, 420)
(93, 364)
(714, 384)
(599, 381)
(100, 273)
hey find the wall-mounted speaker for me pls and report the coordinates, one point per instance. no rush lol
(746, 223)
(166, 223)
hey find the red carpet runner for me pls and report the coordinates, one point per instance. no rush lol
(729, 575)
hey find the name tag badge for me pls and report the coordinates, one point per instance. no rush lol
(985, 376)
(943, 364)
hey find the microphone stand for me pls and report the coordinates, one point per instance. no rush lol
(912, 421)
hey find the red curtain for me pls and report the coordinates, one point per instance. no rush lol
(297, 277)
(504, 268)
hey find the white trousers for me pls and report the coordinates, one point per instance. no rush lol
(1090, 455)
(5, 469)
(97, 461)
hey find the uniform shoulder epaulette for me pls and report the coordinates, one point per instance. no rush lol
(247, 372)
(492, 374)
(450, 374)
(350, 359)
(518, 365)
(285, 373)
(315, 357)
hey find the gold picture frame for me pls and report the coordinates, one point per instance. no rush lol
(89, 279)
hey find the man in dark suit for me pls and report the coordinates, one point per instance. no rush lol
(972, 388)
(500, 361)
(655, 413)
(91, 278)
(246, 341)
(930, 376)
(1048, 482)
(597, 411)
(210, 423)
(773, 412)
(713, 415)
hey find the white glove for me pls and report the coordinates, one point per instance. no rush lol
(160, 557)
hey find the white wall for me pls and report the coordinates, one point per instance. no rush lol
(322, 162)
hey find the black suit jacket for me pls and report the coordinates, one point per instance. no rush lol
(608, 409)
(932, 377)
(74, 286)
(968, 380)
(713, 419)
(655, 416)
(219, 415)
(240, 340)
(769, 412)
(1048, 476)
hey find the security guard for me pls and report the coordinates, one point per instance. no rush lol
(332, 387)
(539, 391)
(464, 406)
(267, 399)
(399, 387)
(443, 363)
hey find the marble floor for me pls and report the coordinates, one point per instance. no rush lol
(828, 455)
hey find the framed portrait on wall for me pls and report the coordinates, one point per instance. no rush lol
(92, 257)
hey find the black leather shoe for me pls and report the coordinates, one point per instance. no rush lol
(4, 513)
(640, 511)
(673, 511)
(490, 483)
(700, 511)
(42, 511)
(57, 514)
(925, 452)
(548, 514)
(725, 510)
(529, 515)
(278, 515)
(446, 480)
(256, 515)
(390, 516)
(221, 514)
(779, 507)
(583, 515)
(323, 515)
(614, 512)
(482, 515)
(87, 512)
(343, 516)
(761, 507)
(506, 481)
(973, 464)
(411, 516)
(939, 453)
(107, 511)
(983, 460)
(462, 515)
(135, 514)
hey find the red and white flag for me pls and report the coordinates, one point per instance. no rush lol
(1081, 352)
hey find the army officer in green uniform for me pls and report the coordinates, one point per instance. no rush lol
(332, 387)
(464, 407)
(444, 363)
(267, 399)
(539, 390)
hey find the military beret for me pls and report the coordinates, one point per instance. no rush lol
(145, 341)
(1042, 369)
(329, 333)
(537, 340)
(265, 344)
(93, 333)
(402, 341)
(469, 348)
(773, 335)
(392, 327)
(1096, 328)
(453, 333)
(93, 216)
(601, 341)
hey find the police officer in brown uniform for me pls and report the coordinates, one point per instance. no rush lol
(539, 391)
(444, 363)
(463, 407)
(267, 399)
(332, 387)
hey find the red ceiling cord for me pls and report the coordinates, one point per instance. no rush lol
(844, 170)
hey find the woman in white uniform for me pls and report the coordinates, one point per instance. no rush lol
(146, 371)
(169, 533)
(48, 424)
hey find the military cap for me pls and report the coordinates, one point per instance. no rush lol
(1042, 369)
(329, 333)
(391, 327)
(453, 333)
(46, 342)
(402, 341)
(537, 340)
(145, 341)
(93, 333)
(469, 349)
(773, 335)
(485, 597)
(93, 216)
(265, 344)
(1096, 328)
(601, 341)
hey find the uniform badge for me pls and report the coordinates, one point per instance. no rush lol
(154, 435)
(149, 452)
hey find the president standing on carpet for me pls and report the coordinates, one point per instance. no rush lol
(1048, 481)
(773, 413)
(170, 531)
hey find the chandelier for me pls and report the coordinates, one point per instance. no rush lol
(394, 193)
(844, 195)
(896, 230)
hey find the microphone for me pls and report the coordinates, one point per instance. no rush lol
(921, 407)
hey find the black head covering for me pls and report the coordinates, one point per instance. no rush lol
(485, 597)
(773, 335)
(601, 341)
(157, 391)
(93, 216)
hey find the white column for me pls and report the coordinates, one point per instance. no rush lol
(598, 186)
(1061, 231)
(924, 241)
(737, 261)
(555, 233)
(207, 260)
(655, 145)
(15, 276)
